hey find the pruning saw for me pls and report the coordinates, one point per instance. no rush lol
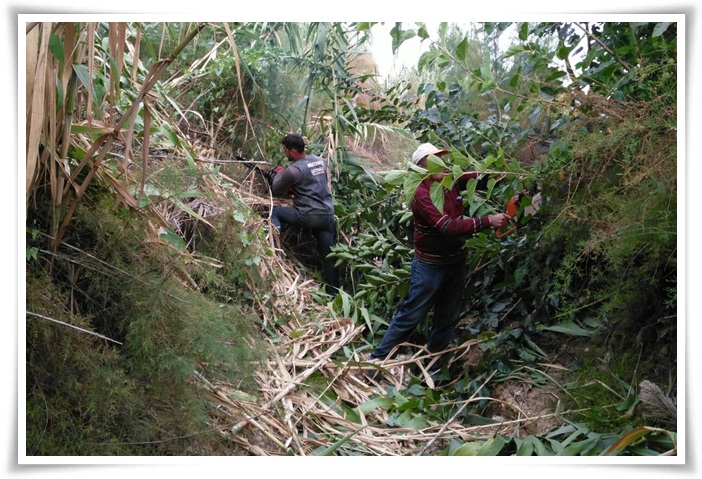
(512, 209)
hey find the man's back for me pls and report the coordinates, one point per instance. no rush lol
(311, 191)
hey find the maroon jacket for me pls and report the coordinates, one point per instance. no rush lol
(439, 236)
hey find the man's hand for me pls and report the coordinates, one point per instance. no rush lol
(271, 174)
(499, 220)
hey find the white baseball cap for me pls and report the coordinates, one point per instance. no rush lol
(426, 149)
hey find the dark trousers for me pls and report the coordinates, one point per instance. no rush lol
(323, 227)
(431, 286)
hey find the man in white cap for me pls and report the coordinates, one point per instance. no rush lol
(439, 266)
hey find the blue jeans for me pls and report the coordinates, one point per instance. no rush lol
(431, 286)
(323, 227)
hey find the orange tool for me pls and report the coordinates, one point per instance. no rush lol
(512, 210)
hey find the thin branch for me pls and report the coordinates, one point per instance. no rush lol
(626, 66)
(72, 326)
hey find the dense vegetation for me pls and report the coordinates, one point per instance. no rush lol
(150, 272)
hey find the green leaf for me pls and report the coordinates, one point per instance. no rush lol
(535, 347)
(468, 449)
(416, 423)
(485, 71)
(492, 447)
(563, 51)
(82, 73)
(514, 50)
(555, 75)
(526, 448)
(410, 184)
(567, 328)
(400, 36)
(514, 81)
(548, 90)
(626, 439)
(417, 169)
(532, 444)
(416, 389)
(334, 447)
(188, 210)
(426, 59)
(447, 182)
(436, 193)
(383, 402)
(471, 185)
(366, 317)
(93, 132)
(56, 47)
(457, 172)
(460, 159)
(435, 164)
(524, 31)
(172, 238)
(490, 186)
(535, 114)
(577, 448)
(346, 305)
(660, 29)
(32, 253)
(393, 177)
(462, 50)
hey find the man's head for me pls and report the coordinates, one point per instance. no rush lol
(423, 151)
(294, 141)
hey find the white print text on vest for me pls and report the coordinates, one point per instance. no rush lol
(316, 171)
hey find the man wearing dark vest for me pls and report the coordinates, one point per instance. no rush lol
(308, 179)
